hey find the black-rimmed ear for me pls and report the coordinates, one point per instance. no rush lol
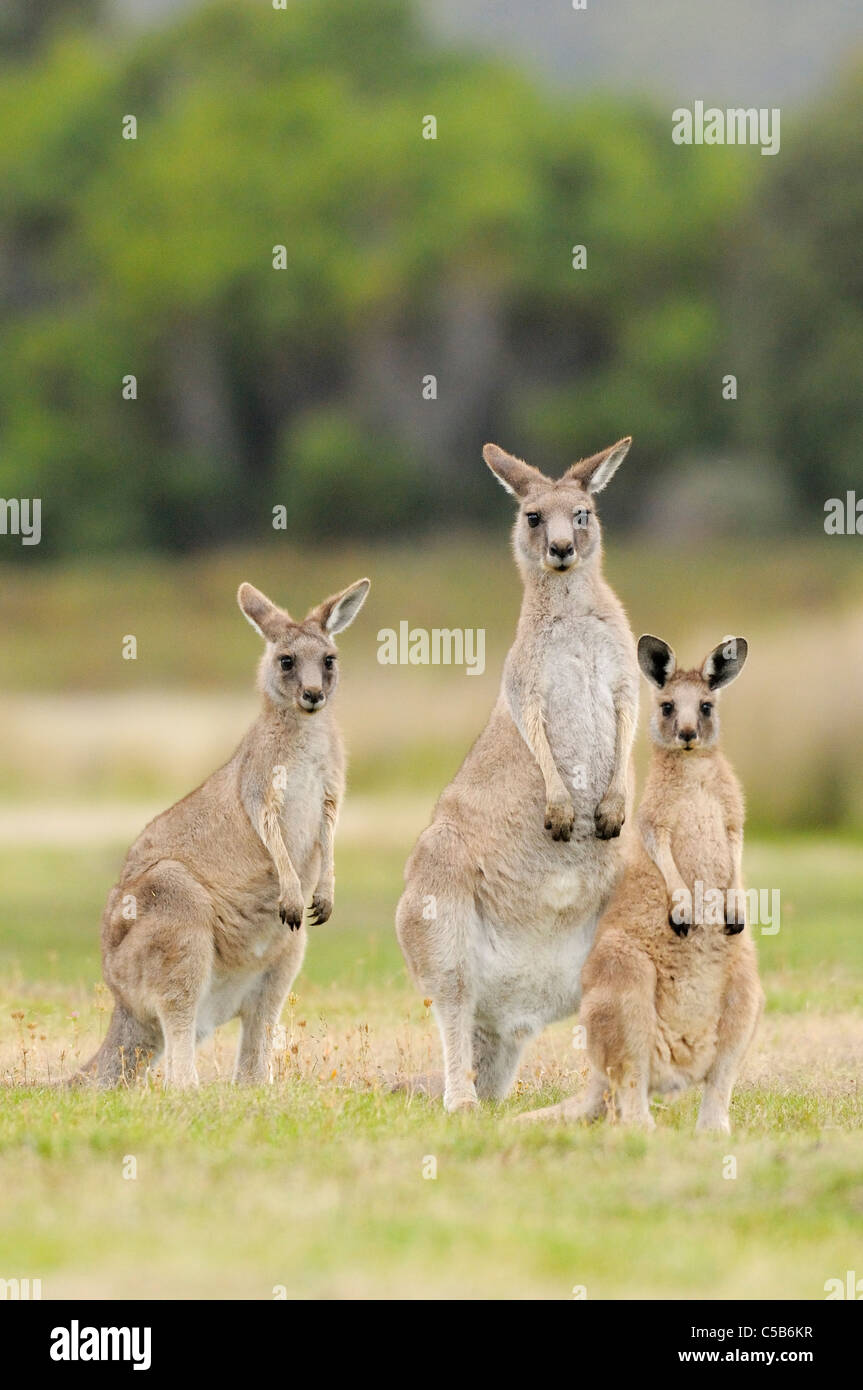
(266, 617)
(725, 662)
(339, 610)
(512, 473)
(593, 473)
(656, 659)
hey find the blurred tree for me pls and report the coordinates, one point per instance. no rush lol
(26, 24)
(798, 312)
(405, 257)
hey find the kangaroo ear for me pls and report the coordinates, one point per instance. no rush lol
(656, 659)
(599, 469)
(725, 662)
(264, 616)
(338, 612)
(515, 475)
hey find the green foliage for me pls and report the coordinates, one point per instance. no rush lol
(801, 300)
(302, 128)
(325, 468)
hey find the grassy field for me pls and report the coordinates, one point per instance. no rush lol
(80, 723)
(317, 1183)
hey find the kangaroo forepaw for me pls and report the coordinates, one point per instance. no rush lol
(609, 817)
(560, 819)
(291, 915)
(320, 910)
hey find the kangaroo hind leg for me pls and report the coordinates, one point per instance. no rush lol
(495, 1063)
(168, 961)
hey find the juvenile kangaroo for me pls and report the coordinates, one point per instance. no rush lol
(671, 990)
(206, 921)
(505, 887)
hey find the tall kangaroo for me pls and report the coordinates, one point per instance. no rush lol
(505, 887)
(206, 921)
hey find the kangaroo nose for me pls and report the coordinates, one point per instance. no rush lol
(313, 696)
(686, 735)
(563, 550)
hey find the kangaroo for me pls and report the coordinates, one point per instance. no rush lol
(206, 920)
(504, 889)
(663, 1009)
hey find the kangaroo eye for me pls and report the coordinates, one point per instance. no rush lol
(286, 663)
(706, 708)
(667, 708)
(581, 517)
(329, 662)
(533, 519)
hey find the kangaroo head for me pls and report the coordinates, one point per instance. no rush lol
(685, 715)
(299, 664)
(557, 528)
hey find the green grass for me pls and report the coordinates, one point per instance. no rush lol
(316, 1183)
(323, 1192)
(815, 961)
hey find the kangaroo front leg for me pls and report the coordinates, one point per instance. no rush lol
(611, 811)
(291, 903)
(735, 908)
(657, 842)
(741, 1009)
(322, 899)
(559, 810)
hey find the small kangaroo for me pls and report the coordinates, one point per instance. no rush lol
(663, 1009)
(504, 889)
(206, 921)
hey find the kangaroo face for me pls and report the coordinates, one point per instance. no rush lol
(557, 527)
(301, 669)
(685, 713)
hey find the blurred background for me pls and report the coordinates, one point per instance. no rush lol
(407, 258)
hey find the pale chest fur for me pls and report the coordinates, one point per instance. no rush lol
(301, 809)
(297, 775)
(579, 665)
(529, 980)
(300, 772)
(697, 819)
(539, 899)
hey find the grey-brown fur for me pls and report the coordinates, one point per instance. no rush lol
(206, 920)
(504, 889)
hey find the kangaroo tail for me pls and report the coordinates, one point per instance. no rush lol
(128, 1046)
